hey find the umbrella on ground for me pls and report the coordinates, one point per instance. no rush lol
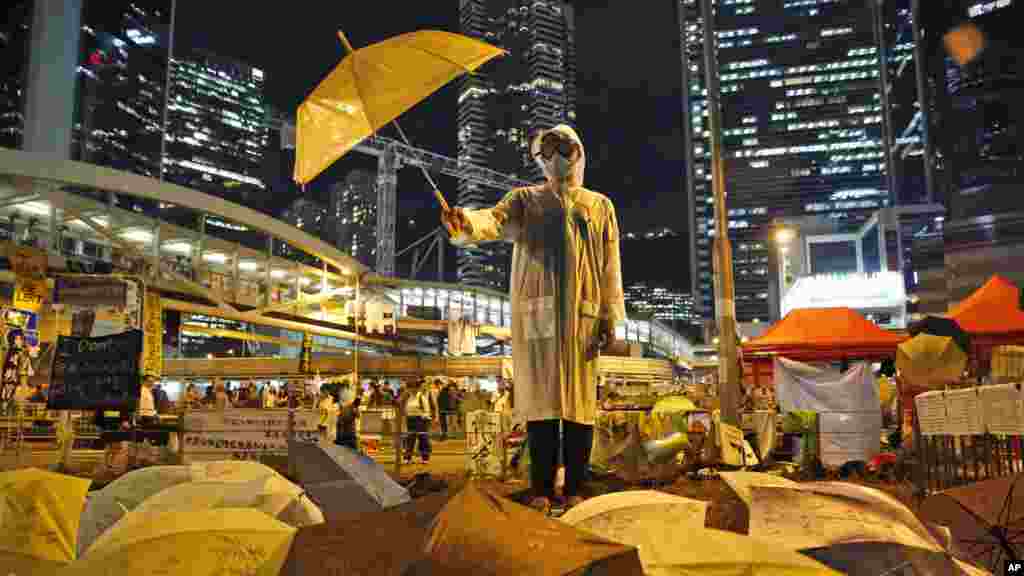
(105, 507)
(742, 482)
(272, 495)
(941, 326)
(198, 543)
(382, 543)
(927, 360)
(986, 519)
(621, 513)
(478, 529)
(876, 558)
(340, 479)
(880, 502)
(374, 85)
(39, 515)
(234, 470)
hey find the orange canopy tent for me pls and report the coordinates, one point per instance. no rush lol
(992, 316)
(818, 335)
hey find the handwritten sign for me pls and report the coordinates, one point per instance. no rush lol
(153, 327)
(243, 434)
(483, 447)
(29, 293)
(96, 373)
(27, 261)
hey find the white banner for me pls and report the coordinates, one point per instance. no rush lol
(847, 404)
(243, 433)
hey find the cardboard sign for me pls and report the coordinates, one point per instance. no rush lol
(29, 293)
(90, 291)
(153, 327)
(97, 373)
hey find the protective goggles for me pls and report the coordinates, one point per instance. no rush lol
(554, 142)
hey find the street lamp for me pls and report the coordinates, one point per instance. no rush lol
(783, 236)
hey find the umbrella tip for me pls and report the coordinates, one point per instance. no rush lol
(345, 42)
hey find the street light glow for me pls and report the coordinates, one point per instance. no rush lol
(784, 236)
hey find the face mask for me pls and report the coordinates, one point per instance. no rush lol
(557, 167)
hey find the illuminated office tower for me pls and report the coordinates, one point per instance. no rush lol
(353, 216)
(533, 87)
(218, 130)
(803, 128)
(14, 45)
(122, 72)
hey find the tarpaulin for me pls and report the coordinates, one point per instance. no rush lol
(847, 405)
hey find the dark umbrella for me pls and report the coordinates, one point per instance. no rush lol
(939, 326)
(885, 558)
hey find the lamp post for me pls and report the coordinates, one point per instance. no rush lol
(725, 302)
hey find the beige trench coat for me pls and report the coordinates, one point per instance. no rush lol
(566, 277)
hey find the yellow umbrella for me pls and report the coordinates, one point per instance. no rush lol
(105, 507)
(39, 514)
(927, 360)
(272, 495)
(233, 470)
(196, 543)
(374, 85)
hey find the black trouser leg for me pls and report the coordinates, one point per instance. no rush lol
(444, 425)
(542, 437)
(578, 440)
(410, 436)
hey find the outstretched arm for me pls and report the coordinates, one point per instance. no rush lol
(502, 222)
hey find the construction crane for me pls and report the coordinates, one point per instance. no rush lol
(391, 156)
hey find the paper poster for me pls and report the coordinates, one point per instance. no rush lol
(931, 413)
(848, 436)
(963, 413)
(244, 433)
(153, 329)
(29, 293)
(1001, 408)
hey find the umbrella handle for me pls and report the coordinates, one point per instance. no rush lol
(401, 133)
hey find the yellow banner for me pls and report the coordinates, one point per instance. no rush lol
(153, 328)
(27, 261)
(29, 293)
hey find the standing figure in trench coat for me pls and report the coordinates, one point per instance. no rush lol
(566, 293)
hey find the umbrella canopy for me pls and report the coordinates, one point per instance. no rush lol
(198, 543)
(374, 85)
(742, 482)
(874, 558)
(39, 515)
(351, 542)
(233, 470)
(927, 361)
(481, 532)
(616, 516)
(800, 519)
(941, 326)
(105, 507)
(985, 519)
(272, 495)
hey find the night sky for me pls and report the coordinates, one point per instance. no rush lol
(629, 109)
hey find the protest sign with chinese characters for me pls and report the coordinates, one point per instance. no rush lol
(243, 433)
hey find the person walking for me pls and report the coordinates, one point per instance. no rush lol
(418, 413)
(444, 408)
(566, 299)
(347, 419)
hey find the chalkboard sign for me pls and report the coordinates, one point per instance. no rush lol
(97, 373)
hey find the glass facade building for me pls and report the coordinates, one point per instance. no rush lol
(353, 216)
(218, 132)
(501, 106)
(661, 303)
(119, 118)
(803, 129)
(14, 43)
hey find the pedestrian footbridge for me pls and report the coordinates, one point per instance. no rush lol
(211, 258)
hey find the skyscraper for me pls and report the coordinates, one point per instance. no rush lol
(500, 106)
(218, 129)
(121, 78)
(802, 123)
(14, 41)
(310, 217)
(353, 216)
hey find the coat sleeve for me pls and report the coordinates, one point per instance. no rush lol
(613, 307)
(502, 222)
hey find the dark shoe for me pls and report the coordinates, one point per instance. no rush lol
(408, 459)
(425, 460)
(542, 505)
